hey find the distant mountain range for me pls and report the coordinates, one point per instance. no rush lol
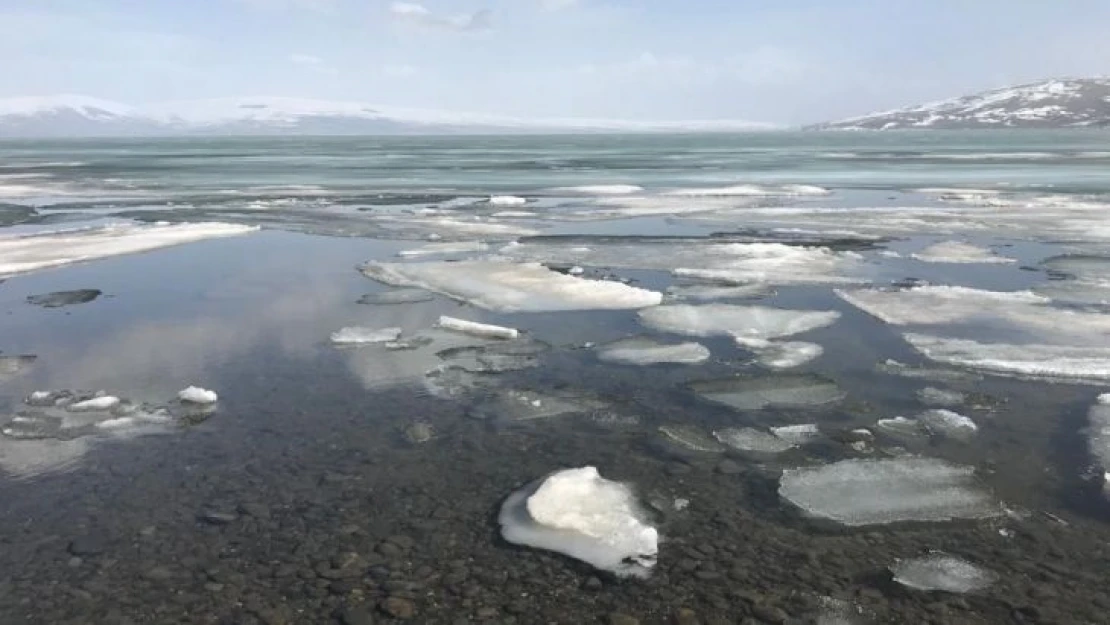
(80, 116)
(1061, 103)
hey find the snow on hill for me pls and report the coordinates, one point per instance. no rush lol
(1058, 103)
(82, 116)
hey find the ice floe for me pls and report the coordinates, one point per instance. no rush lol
(455, 247)
(580, 514)
(940, 571)
(800, 434)
(600, 189)
(781, 391)
(949, 424)
(960, 253)
(483, 330)
(24, 253)
(1079, 279)
(785, 355)
(357, 335)
(197, 395)
(507, 200)
(747, 322)
(733, 263)
(867, 492)
(396, 297)
(512, 287)
(711, 292)
(752, 440)
(1059, 362)
(644, 351)
(748, 190)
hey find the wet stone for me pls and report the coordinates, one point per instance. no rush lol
(686, 616)
(88, 545)
(356, 615)
(618, 618)
(398, 607)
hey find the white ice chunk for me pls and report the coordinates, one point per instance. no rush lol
(900, 426)
(23, 253)
(866, 492)
(1051, 361)
(940, 571)
(957, 252)
(477, 329)
(948, 423)
(507, 200)
(432, 249)
(197, 395)
(513, 287)
(104, 402)
(797, 434)
(578, 513)
(751, 439)
(748, 322)
(785, 355)
(355, 335)
(642, 351)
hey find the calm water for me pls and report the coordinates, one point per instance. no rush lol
(305, 496)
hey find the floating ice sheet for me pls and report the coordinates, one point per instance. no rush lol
(867, 492)
(580, 514)
(1082, 279)
(960, 253)
(940, 571)
(751, 439)
(1060, 362)
(784, 355)
(783, 391)
(21, 254)
(711, 292)
(512, 287)
(356, 335)
(645, 351)
(748, 322)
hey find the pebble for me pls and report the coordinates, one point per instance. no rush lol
(617, 618)
(398, 607)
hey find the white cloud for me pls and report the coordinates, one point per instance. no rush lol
(399, 70)
(419, 15)
(557, 5)
(313, 63)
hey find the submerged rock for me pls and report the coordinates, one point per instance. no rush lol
(58, 299)
(786, 391)
(940, 571)
(867, 492)
(580, 514)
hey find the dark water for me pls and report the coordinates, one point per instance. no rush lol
(303, 499)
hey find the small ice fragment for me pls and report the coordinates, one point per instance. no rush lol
(866, 492)
(40, 398)
(940, 397)
(957, 252)
(948, 423)
(576, 271)
(197, 395)
(118, 423)
(940, 571)
(356, 335)
(751, 439)
(643, 351)
(104, 402)
(900, 426)
(580, 514)
(681, 504)
(786, 355)
(507, 200)
(797, 434)
(477, 329)
(786, 391)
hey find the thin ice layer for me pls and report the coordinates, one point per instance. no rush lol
(644, 351)
(940, 571)
(578, 513)
(868, 492)
(512, 287)
(1022, 311)
(21, 254)
(783, 391)
(749, 322)
(751, 439)
(957, 252)
(785, 355)
(1062, 362)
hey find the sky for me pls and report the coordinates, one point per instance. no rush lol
(779, 61)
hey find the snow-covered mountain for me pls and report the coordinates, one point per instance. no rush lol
(1059, 103)
(79, 116)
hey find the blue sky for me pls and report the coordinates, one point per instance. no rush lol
(785, 61)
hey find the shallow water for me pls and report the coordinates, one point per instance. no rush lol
(252, 513)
